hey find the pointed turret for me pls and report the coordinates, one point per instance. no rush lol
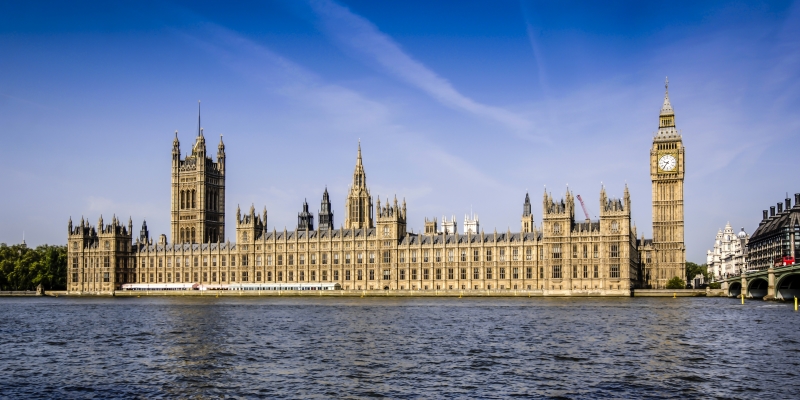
(527, 215)
(325, 213)
(358, 205)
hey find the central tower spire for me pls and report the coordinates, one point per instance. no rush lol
(359, 202)
(199, 129)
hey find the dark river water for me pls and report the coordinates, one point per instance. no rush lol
(397, 348)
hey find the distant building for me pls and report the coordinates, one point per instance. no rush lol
(777, 236)
(449, 227)
(471, 224)
(728, 256)
(373, 250)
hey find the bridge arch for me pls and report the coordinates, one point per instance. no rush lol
(757, 288)
(735, 289)
(788, 286)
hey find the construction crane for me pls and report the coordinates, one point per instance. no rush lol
(586, 213)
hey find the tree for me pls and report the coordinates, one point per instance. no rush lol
(693, 269)
(22, 268)
(676, 283)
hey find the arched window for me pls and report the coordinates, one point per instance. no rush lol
(193, 235)
(194, 204)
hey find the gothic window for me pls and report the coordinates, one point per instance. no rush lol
(360, 258)
(463, 255)
(615, 271)
(336, 259)
(269, 276)
(574, 251)
(426, 273)
(438, 273)
(575, 272)
(360, 275)
(529, 273)
(324, 258)
(488, 254)
(258, 261)
(258, 276)
(302, 276)
(502, 254)
(556, 251)
(386, 275)
(387, 256)
(476, 255)
(347, 258)
(425, 256)
(336, 275)
(515, 254)
(372, 257)
(193, 235)
(402, 256)
(614, 226)
(193, 199)
(438, 256)
(595, 252)
(502, 273)
(556, 272)
(402, 274)
(450, 274)
(385, 231)
(414, 273)
(556, 228)
(302, 259)
(291, 259)
(514, 273)
(476, 273)
(614, 250)
(450, 256)
(585, 271)
(528, 254)
(488, 273)
(596, 272)
(106, 245)
(244, 275)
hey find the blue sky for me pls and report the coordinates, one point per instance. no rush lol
(458, 105)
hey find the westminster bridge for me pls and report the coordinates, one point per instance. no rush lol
(778, 283)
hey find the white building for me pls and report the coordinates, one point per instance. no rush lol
(471, 225)
(727, 258)
(449, 227)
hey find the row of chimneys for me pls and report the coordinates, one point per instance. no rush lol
(788, 201)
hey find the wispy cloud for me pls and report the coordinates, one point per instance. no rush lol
(362, 36)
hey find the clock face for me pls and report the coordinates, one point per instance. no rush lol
(667, 162)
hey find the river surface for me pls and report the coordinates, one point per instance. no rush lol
(172, 347)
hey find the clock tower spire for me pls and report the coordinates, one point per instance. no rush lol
(666, 173)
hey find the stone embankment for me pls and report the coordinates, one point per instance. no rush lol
(404, 293)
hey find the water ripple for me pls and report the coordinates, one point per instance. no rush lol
(396, 348)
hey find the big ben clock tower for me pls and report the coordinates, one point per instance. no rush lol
(666, 173)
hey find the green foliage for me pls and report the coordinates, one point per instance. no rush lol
(22, 268)
(676, 283)
(693, 269)
(715, 285)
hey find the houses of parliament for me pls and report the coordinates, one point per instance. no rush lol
(373, 250)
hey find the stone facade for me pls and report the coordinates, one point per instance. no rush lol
(665, 256)
(777, 236)
(373, 249)
(728, 256)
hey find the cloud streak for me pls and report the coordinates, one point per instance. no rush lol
(358, 34)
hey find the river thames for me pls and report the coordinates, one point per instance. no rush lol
(168, 347)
